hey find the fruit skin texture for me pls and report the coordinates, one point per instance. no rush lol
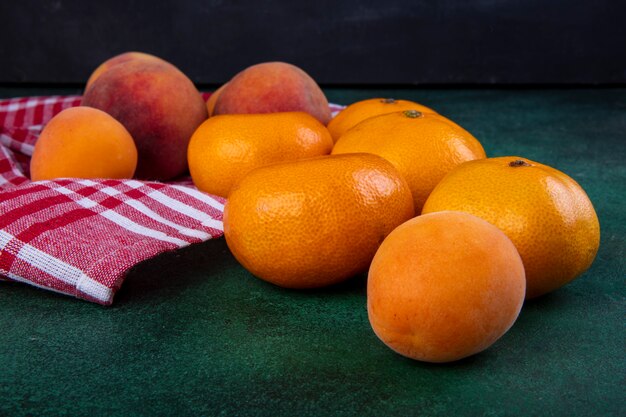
(543, 211)
(210, 103)
(82, 142)
(272, 87)
(158, 105)
(314, 222)
(364, 109)
(118, 59)
(444, 286)
(423, 148)
(225, 148)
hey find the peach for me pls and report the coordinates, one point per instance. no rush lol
(272, 87)
(158, 105)
(118, 59)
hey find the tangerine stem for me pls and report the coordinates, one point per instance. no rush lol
(413, 114)
(519, 163)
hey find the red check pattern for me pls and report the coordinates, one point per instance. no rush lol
(80, 237)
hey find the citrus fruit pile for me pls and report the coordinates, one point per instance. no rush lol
(454, 241)
(449, 275)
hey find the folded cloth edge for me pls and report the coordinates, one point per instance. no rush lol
(21, 119)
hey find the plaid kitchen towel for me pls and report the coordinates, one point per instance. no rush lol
(80, 237)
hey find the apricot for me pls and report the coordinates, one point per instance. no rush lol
(444, 286)
(118, 59)
(82, 142)
(158, 105)
(272, 87)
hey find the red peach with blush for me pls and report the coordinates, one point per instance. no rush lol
(118, 59)
(158, 105)
(272, 87)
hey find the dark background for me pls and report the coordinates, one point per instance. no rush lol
(390, 42)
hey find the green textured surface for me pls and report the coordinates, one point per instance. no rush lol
(192, 333)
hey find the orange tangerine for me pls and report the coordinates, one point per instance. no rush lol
(226, 147)
(424, 147)
(546, 214)
(314, 222)
(355, 113)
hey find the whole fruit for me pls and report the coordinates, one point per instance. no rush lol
(82, 142)
(543, 211)
(444, 286)
(225, 148)
(272, 87)
(364, 109)
(210, 103)
(118, 59)
(158, 105)
(424, 147)
(317, 221)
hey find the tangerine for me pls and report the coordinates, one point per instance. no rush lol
(226, 147)
(546, 214)
(424, 147)
(314, 222)
(210, 103)
(364, 109)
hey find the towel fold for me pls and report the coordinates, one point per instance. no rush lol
(80, 237)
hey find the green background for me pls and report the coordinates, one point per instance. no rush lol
(192, 333)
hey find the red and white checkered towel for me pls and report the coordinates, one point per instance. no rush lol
(80, 237)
